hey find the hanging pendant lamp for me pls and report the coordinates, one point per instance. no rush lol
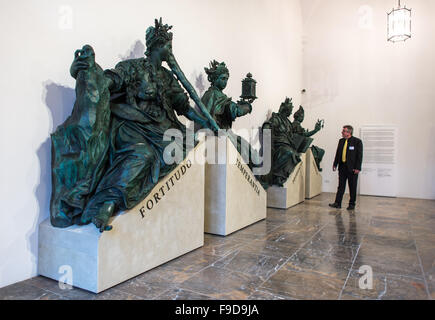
(399, 24)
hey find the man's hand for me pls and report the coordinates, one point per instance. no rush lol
(334, 168)
(355, 171)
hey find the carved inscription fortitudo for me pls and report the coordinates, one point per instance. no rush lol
(167, 187)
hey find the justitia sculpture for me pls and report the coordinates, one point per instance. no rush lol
(284, 146)
(109, 154)
(318, 153)
(225, 111)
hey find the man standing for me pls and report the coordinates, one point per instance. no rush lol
(349, 159)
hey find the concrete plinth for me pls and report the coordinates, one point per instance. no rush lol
(166, 224)
(234, 199)
(293, 191)
(313, 180)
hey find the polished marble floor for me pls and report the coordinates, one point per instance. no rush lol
(309, 251)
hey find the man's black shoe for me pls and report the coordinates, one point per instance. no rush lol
(335, 205)
(350, 207)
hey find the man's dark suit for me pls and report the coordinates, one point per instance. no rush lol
(354, 155)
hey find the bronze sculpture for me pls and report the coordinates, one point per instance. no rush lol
(221, 107)
(80, 145)
(318, 152)
(225, 111)
(284, 146)
(144, 97)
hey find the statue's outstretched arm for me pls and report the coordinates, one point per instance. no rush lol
(242, 108)
(310, 133)
(316, 129)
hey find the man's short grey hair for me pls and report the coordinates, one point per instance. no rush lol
(349, 127)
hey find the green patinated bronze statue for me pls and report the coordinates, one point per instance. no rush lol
(225, 111)
(80, 145)
(284, 146)
(318, 153)
(109, 154)
(221, 107)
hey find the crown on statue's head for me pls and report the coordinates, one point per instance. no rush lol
(287, 102)
(215, 70)
(157, 35)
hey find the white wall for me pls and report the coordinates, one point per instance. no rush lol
(354, 76)
(262, 37)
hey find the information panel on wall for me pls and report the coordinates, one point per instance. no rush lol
(378, 174)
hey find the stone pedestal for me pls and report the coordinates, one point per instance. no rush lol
(234, 199)
(166, 224)
(313, 180)
(293, 191)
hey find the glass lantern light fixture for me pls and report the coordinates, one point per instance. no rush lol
(399, 24)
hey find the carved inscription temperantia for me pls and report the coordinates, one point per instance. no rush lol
(248, 177)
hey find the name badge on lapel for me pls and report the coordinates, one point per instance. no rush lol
(351, 148)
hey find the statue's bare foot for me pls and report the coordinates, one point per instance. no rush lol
(101, 224)
(101, 220)
(280, 182)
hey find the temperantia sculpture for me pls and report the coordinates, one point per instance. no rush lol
(225, 111)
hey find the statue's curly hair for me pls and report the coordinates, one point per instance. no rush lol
(215, 70)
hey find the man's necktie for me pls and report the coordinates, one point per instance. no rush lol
(343, 157)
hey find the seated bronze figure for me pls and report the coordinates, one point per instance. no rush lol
(284, 146)
(318, 152)
(110, 153)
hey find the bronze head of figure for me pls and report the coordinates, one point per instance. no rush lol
(286, 107)
(159, 38)
(218, 74)
(299, 115)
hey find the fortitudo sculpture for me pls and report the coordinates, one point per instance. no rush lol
(318, 152)
(225, 111)
(284, 146)
(108, 155)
